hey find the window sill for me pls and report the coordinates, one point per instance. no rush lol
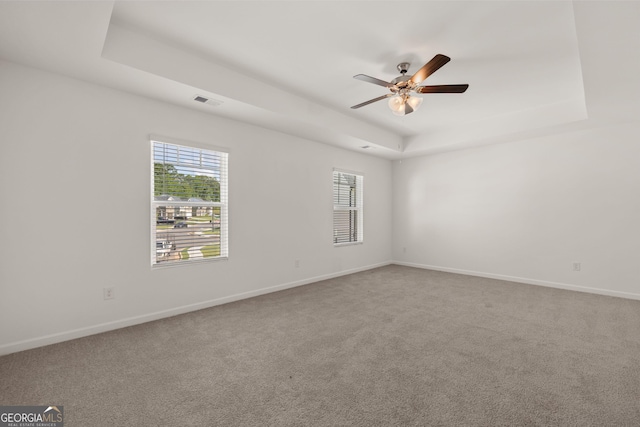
(163, 265)
(336, 245)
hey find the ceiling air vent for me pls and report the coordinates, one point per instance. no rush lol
(208, 101)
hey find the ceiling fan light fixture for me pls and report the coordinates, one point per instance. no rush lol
(398, 104)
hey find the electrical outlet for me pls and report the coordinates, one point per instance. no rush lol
(297, 263)
(404, 250)
(577, 266)
(109, 293)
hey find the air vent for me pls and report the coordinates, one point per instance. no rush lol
(208, 101)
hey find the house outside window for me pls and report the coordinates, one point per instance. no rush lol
(347, 208)
(189, 218)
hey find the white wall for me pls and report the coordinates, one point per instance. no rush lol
(75, 185)
(527, 210)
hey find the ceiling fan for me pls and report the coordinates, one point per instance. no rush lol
(402, 101)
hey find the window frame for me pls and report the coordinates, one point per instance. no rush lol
(223, 204)
(357, 209)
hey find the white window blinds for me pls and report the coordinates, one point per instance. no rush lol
(347, 208)
(189, 218)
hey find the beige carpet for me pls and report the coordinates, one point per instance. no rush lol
(386, 347)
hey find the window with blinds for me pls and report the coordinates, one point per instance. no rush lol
(188, 204)
(347, 208)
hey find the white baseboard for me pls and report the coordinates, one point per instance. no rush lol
(136, 320)
(607, 292)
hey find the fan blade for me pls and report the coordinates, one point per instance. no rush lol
(430, 68)
(371, 101)
(373, 80)
(442, 89)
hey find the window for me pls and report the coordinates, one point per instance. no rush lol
(188, 204)
(347, 207)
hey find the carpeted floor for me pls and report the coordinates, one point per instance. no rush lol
(393, 346)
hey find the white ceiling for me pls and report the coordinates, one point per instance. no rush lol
(533, 67)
